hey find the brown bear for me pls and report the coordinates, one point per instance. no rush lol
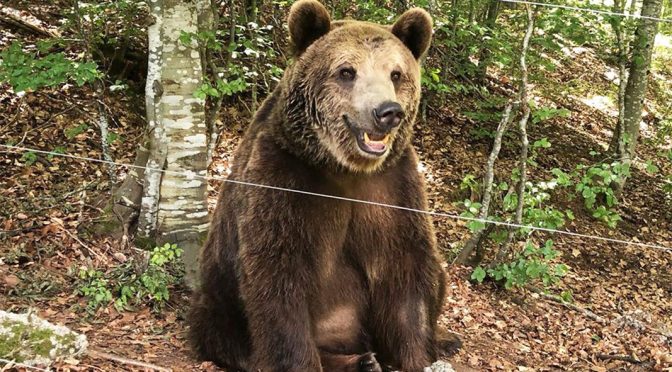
(296, 282)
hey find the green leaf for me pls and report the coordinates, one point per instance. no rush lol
(542, 143)
(475, 226)
(651, 168)
(112, 137)
(567, 296)
(561, 269)
(570, 214)
(29, 158)
(73, 132)
(478, 274)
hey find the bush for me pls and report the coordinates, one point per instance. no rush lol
(127, 288)
(32, 70)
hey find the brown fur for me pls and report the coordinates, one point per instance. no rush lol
(292, 282)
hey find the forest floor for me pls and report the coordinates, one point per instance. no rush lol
(48, 205)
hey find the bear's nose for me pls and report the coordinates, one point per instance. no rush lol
(388, 115)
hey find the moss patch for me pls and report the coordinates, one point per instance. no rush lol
(28, 339)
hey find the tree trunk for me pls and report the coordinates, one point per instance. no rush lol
(163, 198)
(173, 207)
(453, 16)
(623, 51)
(635, 90)
(251, 16)
(524, 141)
(156, 149)
(477, 237)
(488, 180)
(490, 23)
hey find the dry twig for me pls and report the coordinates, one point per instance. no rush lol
(622, 358)
(103, 355)
(559, 300)
(18, 19)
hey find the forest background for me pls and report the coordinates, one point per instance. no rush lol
(534, 119)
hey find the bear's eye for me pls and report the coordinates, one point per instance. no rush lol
(395, 76)
(347, 74)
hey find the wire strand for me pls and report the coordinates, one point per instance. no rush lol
(582, 9)
(342, 198)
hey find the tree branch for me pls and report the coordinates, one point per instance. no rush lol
(522, 127)
(487, 183)
(623, 358)
(559, 300)
(16, 18)
(103, 355)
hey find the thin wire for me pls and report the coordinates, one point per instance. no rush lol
(342, 198)
(582, 9)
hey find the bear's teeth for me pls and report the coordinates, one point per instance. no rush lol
(368, 140)
(385, 139)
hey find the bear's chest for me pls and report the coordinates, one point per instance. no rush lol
(359, 233)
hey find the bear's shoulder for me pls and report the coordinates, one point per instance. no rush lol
(269, 163)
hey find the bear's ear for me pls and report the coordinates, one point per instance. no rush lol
(308, 20)
(414, 29)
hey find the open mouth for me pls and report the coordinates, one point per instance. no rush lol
(370, 142)
(375, 144)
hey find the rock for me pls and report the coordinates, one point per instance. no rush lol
(30, 340)
(440, 366)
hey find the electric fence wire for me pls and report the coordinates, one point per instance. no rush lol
(583, 9)
(192, 175)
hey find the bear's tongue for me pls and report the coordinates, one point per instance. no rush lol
(375, 142)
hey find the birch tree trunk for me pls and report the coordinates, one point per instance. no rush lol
(173, 205)
(635, 90)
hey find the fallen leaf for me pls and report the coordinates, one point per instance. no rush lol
(12, 280)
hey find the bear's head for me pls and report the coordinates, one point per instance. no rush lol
(352, 93)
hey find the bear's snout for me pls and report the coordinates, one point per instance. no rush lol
(387, 116)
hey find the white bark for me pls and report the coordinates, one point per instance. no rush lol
(522, 124)
(104, 134)
(174, 207)
(147, 220)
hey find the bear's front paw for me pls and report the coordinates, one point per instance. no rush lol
(368, 363)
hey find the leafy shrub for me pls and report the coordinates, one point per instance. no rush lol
(95, 287)
(472, 210)
(128, 288)
(29, 158)
(532, 264)
(595, 186)
(32, 70)
(470, 183)
(547, 113)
